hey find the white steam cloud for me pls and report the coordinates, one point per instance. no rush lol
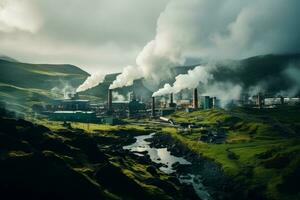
(225, 91)
(118, 97)
(215, 29)
(91, 81)
(127, 77)
(190, 80)
(202, 77)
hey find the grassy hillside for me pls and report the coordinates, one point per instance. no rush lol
(261, 149)
(267, 71)
(69, 163)
(22, 84)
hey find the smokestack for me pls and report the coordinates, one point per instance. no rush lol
(109, 100)
(259, 100)
(171, 99)
(214, 102)
(153, 107)
(195, 98)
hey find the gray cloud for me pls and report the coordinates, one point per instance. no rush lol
(108, 35)
(96, 35)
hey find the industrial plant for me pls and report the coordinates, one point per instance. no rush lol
(76, 109)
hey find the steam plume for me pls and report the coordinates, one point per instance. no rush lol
(214, 29)
(91, 81)
(118, 97)
(190, 80)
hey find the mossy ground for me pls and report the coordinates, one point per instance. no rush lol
(90, 160)
(262, 147)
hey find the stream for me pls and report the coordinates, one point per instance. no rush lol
(163, 156)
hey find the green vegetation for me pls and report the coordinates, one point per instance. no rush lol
(25, 87)
(262, 147)
(77, 163)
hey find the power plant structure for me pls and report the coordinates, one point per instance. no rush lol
(109, 101)
(153, 107)
(76, 109)
(112, 112)
(195, 98)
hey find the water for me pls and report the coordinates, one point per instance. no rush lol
(164, 157)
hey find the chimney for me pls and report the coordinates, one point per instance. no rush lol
(153, 107)
(109, 100)
(195, 98)
(214, 102)
(171, 99)
(259, 100)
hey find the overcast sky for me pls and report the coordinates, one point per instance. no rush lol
(96, 35)
(107, 35)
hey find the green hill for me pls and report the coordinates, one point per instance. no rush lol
(23, 84)
(261, 148)
(267, 71)
(4, 57)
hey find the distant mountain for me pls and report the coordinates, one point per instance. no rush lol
(3, 57)
(23, 84)
(272, 73)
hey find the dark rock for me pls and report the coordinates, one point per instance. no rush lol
(152, 170)
(116, 181)
(169, 188)
(44, 176)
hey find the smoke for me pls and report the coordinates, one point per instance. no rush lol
(127, 77)
(293, 74)
(272, 75)
(91, 81)
(190, 80)
(155, 60)
(224, 91)
(118, 97)
(66, 90)
(202, 76)
(215, 29)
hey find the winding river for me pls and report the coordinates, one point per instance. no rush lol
(163, 156)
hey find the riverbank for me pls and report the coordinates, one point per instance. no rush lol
(207, 179)
(261, 151)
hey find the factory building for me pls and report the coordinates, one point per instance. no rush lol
(260, 100)
(171, 102)
(70, 105)
(183, 103)
(136, 109)
(75, 116)
(207, 102)
(123, 109)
